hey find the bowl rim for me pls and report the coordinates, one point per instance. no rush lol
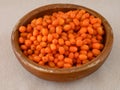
(100, 58)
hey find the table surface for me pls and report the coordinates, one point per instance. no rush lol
(14, 77)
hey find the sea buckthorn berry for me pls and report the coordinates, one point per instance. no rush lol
(29, 28)
(54, 41)
(39, 38)
(22, 29)
(96, 45)
(79, 42)
(100, 31)
(60, 64)
(28, 43)
(83, 57)
(61, 50)
(36, 58)
(59, 29)
(68, 60)
(95, 52)
(61, 41)
(73, 49)
(51, 64)
(67, 27)
(76, 21)
(90, 55)
(53, 47)
(49, 37)
(21, 40)
(23, 47)
(61, 57)
(44, 31)
(85, 47)
(61, 21)
(85, 22)
(67, 65)
(82, 30)
(90, 30)
(71, 55)
(67, 43)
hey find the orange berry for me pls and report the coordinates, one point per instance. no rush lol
(61, 41)
(83, 52)
(21, 40)
(53, 47)
(76, 55)
(90, 30)
(71, 55)
(35, 32)
(67, 65)
(90, 55)
(36, 58)
(54, 41)
(61, 50)
(55, 35)
(96, 25)
(29, 51)
(85, 47)
(42, 51)
(32, 38)
(67, 43)
(55, 22)
(83, 57)
(32, 47)
(38, 47)
(68, 60)
(22, 29)
(23, 47)
(93, 20)
(67, 27)
(61, 21)
(73, 49)
(45, 59)
(43, 44)
(72, 41)
(59, 29)
(29, 28)
(44, 31)
(79, 42)
(28, 42)
(85, 22)
(51, 64)
(76, 21)
(85, 61)
(47, 50)
(60, 64)
(61, 57)
(100, 31)
(39, 38)
(95, 52)
(39, 21)
(96, 45)
(82, 30)
(44, 38)
(41, 63)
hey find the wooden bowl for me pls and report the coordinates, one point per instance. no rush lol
(61, 74)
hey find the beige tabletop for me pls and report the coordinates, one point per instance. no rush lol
(14, 77)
